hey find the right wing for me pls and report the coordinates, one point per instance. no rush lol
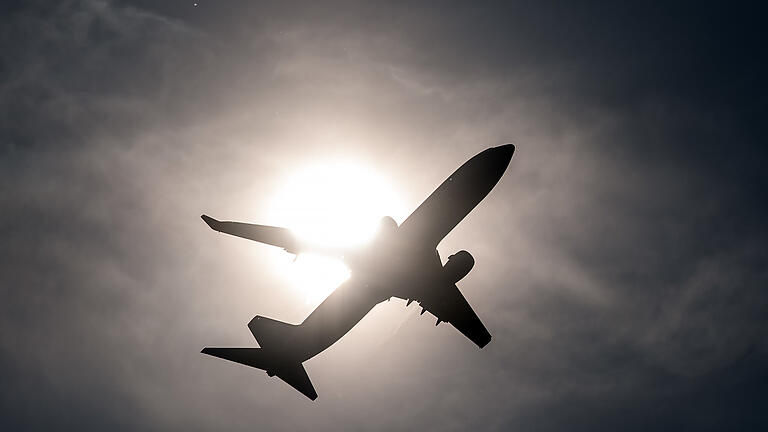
(275, 236)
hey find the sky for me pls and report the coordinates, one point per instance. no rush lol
(620, 262)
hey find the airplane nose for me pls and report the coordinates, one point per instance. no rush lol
(507, 150)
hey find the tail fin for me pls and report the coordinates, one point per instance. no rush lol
(270, 333)
(294, 375)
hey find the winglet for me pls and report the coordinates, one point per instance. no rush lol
(213, 223)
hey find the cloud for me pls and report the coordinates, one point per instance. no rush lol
(620, 262)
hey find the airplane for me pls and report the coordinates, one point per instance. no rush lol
(401, 261)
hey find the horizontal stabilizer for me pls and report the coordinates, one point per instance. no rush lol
(294, 375)
(252, 357)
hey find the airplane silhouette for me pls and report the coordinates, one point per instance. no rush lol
(401, 262)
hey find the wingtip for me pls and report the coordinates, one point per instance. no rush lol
(211, 222)
(482, 343)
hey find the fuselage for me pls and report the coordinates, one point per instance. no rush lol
(396, 264)
(385, 269)
(402, 262)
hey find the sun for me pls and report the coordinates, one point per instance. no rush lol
(336, 204)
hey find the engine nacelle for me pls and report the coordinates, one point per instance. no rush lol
(458, 266)
(387, 224)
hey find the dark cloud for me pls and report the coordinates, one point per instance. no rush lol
(621, 264)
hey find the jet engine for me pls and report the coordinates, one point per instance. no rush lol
(458, 266)
(387, 224)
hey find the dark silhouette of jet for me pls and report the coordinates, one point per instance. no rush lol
(400, 262)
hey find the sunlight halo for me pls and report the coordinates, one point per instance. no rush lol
(337, 204)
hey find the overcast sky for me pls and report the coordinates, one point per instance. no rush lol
(621, 261)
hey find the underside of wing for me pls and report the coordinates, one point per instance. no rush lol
(449, 305)
(275, 236)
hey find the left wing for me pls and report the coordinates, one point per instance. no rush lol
(445, 301)
(449, 305)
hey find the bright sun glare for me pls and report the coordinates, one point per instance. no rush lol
(333, 204)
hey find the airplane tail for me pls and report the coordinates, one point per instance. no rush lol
(271, 333)
(293, 374)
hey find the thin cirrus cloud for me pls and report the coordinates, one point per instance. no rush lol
(619, 262)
